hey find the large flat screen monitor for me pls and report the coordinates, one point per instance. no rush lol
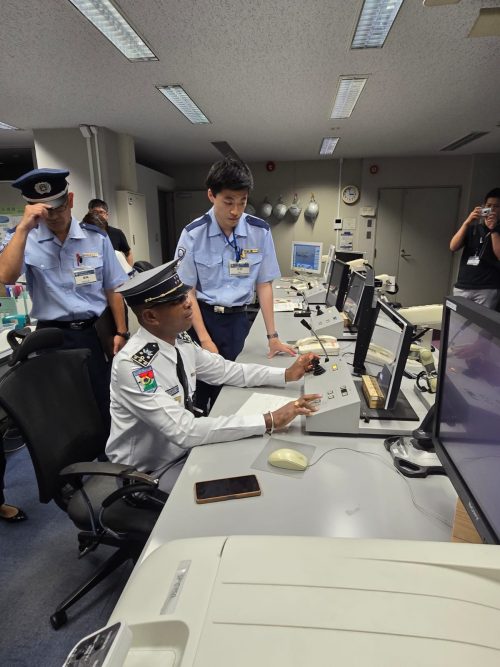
(467, 423)
(348, 255)
(306, 257)
(388, 351)
(337, 288)
(354, 296)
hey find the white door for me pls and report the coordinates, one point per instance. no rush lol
(414, 228)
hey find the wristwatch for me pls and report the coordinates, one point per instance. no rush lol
(273, 335)
(125, 335)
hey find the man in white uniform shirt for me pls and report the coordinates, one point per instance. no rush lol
(153, 381)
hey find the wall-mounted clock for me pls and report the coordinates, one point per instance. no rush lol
(350, 194)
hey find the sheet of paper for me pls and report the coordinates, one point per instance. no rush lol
(261, 403)
(284, 306)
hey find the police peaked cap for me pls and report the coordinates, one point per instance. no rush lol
(158, 285)
(44, 186)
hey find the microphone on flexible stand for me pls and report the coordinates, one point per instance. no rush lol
(306, 324)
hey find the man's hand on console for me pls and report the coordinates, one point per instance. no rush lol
(305, 405)
(300, 367)
(276, 346)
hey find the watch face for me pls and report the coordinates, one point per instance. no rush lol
(350, 194)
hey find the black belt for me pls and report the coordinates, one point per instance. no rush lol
(223, 309)
(74, 325)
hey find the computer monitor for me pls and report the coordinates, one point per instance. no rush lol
(328, 265)
(306, 256)
(337, 288)
(388, 351)
(354, 296)
(366, 319)
(467, 422)
(348, 255)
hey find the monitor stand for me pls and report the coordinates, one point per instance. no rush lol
(414, 456)
(402, 411)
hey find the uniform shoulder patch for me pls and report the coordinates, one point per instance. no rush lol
(257, 222)
(184, 337)
(92, 228)
(145, 378)
(204, 220)
(146, 354)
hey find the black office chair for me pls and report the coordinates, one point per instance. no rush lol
(48, 395)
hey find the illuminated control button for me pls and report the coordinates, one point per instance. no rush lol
(334, 367)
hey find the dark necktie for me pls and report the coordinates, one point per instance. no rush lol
(182, 377)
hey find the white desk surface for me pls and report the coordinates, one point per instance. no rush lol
(347, 494)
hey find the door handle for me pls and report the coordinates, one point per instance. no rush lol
(404, 254)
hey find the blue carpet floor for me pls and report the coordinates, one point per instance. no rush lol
(39, 567)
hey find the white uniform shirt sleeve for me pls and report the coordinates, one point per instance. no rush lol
(162, 412)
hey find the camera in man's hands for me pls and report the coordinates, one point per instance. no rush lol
(485, 212)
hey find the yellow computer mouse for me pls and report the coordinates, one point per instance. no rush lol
(290, 459)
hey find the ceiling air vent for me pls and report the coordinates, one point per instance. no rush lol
(226, 150)
(463, 141)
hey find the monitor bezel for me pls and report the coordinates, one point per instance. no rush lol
(488, 320)
(407, 332)
(343, 284)
(327, 273)
(317, 244)
(355, 275)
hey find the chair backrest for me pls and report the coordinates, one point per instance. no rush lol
(49, 397)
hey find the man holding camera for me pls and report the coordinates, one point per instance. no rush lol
(479, 236)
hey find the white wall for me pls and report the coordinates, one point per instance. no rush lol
(149, 183)
(474, 175)
(66, 149)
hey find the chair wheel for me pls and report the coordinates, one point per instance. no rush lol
(58, 619)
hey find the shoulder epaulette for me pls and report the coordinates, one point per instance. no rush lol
(204, 220)
(92, 228)
(146, 354)
(256, 222)
(184, 337)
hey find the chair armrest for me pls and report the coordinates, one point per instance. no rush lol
(158, 497)
(96, 468)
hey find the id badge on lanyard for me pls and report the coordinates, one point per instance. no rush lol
(241, 268)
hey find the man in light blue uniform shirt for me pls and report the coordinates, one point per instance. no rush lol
(228, 256)
(71, 271)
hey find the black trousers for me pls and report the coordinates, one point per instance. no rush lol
(228, 331)
(99, 367)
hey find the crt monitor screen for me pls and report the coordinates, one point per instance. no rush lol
(388, 351)
(339, 279)
(467, 425)
(306, 257)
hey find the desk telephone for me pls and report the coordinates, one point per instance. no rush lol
(310, 344)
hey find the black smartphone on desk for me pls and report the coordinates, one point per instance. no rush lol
(214, 490)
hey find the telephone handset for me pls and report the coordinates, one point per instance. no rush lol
(310, 344)
(379, 355)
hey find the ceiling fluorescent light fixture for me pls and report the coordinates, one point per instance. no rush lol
(180, 99)
(472, 136)
(6, 126)
(328, 145)
(348, 92)
(113, 25)
(374, 23)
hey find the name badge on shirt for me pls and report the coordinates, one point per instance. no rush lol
(239, 269)
(473, 261)
(84, 276)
